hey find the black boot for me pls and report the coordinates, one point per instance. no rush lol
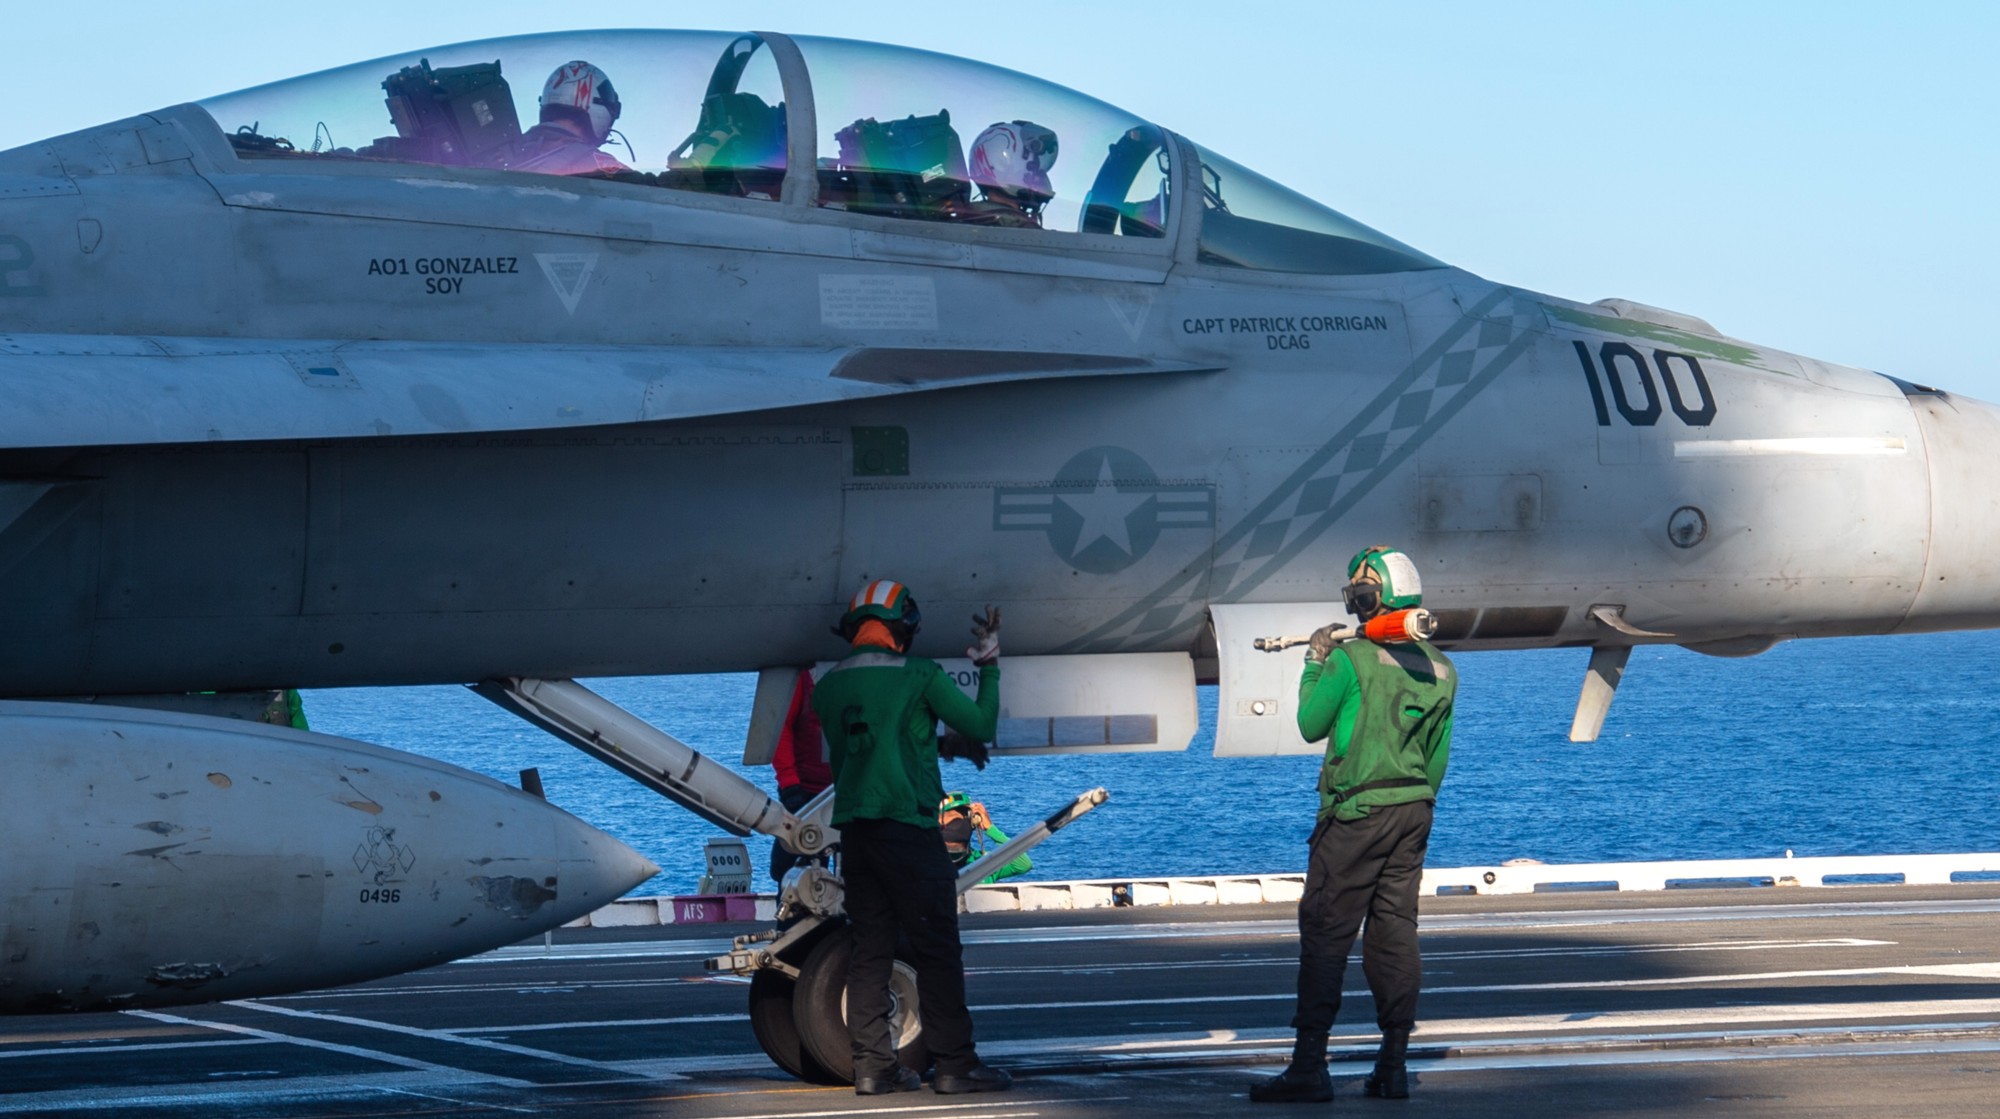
(898, 1079)
(1391, 1078)
(1304, 1080)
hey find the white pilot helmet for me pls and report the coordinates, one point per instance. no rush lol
(581, 92)
(1014, 156)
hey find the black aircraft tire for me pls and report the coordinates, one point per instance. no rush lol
(820, 1009)
(772, 1020)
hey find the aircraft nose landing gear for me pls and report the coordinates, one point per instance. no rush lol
(798, 970)
(798, 974)
(819, 1009)
(773, 996)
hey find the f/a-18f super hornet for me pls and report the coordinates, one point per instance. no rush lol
(637, 352)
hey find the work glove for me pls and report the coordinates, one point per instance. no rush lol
(985, 647)
(955, 745)
(1323, 639)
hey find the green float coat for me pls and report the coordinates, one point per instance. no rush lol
(1385, 711)
(880, 711)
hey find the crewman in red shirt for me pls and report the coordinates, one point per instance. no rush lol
(801, 764)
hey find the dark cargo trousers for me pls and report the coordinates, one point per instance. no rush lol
(1371, 867)
(899, 879)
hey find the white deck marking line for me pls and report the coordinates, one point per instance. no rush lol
(1585, 1020)
(1707, 1056)
(1961, 971)
(1458, 1032)
(1575, 918)
(439, 1035)
(1468, 954)
(1273, 961)
(334, 1047)
(1709, 1016)
(539, 1027)
(1955, 971)
(1547, 1029)
(256, 1095)
(1665, 946)
(477, 988)
(95, 1049)
(1092, 969)
(1288, 927)
(1427, 1030)
(459, 1102)
(984, 1109)
(697, 1019)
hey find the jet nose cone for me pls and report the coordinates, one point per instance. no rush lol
(539, 867)
(594, 868)
(1961, 580)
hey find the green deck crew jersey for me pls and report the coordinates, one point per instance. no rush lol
(880, 711)
(1385, 711)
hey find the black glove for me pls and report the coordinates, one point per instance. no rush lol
(956, 745)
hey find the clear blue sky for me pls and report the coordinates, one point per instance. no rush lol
(1815, 176)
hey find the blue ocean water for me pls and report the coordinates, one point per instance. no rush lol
(1873, 745)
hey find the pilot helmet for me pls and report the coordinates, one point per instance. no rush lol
(1380, 578)
(1015, 156)
(885, 601)
(581, 93)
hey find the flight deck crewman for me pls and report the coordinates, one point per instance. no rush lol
(800, 764)
(880, 708)
(969, 834)
(1385, 711)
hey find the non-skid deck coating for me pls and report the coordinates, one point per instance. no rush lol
(1862, 1001)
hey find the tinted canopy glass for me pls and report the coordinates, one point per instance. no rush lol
(911, 134)
(696, 110)
(903, 133)
(1248, 221)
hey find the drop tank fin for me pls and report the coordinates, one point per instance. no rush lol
(1600, 684)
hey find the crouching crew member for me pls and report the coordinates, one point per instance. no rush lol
(969, 833)
(880, 708)
(1385, 711)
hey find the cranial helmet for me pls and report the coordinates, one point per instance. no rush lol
(1015, 156)
(580, 92)
(883, 600)
(1380, 578)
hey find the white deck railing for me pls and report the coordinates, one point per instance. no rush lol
(1510, 878)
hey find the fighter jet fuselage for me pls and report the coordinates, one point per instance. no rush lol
(421, 424)
(396, 374)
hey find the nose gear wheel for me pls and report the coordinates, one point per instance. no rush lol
(819, 1009)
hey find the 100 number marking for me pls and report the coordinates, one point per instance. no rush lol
(1633, 391)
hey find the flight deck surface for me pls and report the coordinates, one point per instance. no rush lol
(1849, 1001)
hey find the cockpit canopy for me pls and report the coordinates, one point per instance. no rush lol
(901, 133)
